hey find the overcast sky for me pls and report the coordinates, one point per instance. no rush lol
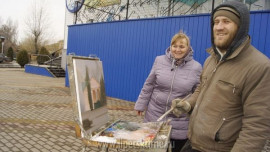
(18, 10)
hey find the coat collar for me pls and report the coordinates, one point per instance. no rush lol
(245, 44)
(187, 58)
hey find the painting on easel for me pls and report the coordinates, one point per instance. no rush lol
(90, 84)
(89, 92)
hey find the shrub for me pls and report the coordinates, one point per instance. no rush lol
(22, 58)
(10, 53)
(42, 57)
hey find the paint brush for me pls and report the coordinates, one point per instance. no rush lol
(167, 112)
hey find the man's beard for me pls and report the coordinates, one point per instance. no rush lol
(223, 45)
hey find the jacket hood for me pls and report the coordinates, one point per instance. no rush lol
(187, 58)
(179, 62)
(243, 28)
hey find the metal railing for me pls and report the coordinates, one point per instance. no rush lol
(41, 59)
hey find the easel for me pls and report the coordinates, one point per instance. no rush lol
(160, 143)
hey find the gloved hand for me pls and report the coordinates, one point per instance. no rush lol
(180, 106)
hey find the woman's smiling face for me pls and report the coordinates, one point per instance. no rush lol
(179, 48)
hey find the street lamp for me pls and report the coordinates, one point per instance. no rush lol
(2, 40)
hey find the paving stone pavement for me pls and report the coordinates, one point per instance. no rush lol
(36, 113)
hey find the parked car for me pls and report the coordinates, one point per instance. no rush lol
(3, 58)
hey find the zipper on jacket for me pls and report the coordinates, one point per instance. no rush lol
(232, 85)
(170, 91)
(206, 85)
(215, 70)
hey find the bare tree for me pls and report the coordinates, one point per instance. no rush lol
(28, 45)
(37, 23)
(9, 30)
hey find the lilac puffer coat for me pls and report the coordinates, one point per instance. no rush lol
(165, 83)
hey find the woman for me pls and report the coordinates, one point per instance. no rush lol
(174, 75)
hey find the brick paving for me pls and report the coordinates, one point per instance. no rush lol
(36, 113)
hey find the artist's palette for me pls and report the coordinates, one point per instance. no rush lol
(133, 133)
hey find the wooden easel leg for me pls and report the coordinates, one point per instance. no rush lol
(77, 131)
(170, 147)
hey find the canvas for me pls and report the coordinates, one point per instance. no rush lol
(89, 92)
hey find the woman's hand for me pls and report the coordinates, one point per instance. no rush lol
(139, 113)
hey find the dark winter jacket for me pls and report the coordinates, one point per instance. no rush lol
(165, 83)
(231, 107)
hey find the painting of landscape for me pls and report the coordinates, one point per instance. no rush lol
(90, 93)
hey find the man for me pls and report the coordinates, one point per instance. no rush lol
(230, 110)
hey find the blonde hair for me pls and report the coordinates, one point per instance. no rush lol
(180, 35)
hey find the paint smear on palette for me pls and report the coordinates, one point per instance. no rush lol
(132, 133)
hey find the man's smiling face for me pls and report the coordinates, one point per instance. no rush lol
(224, 32)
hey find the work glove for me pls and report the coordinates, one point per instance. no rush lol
(179, 107)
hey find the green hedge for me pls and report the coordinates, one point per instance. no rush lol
(44, 56)
(22, 58)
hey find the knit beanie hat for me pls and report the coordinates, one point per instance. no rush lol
(228, 12)
(239, 11)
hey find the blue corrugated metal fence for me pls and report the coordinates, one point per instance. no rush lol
(128, 48)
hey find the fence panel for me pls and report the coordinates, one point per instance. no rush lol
(128, 48)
